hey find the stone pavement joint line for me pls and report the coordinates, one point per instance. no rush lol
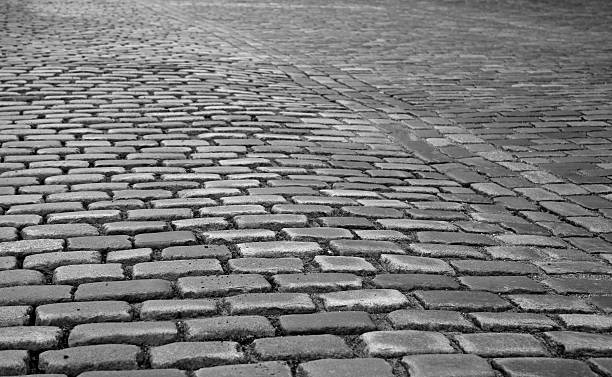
(305, 188)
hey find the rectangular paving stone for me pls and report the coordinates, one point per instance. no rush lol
(316, 282)
(543, 367)
(87, 273)
(462, 300)
(221, 285)
(150, 333)
(236, 328)
(432, 320)
(579, 285)
(174, 269)
(278, 249)
(164, 239)
(28, 247)
(72, 313)
(75, 360)
(501, 344)
(132, 290)
(14, 315)
(404, 342)
(363, 367)
(316, 233)
(266, 266)
(193, 355)
(447, 366)
(31, 338)
(35, 294)
(170, 309)
(100, 243)
(333, 323)
(303, 347)
(270, 303)
(14, 362)
(573, 343)
(264, 369)
(369, 300)
(550, 303)
(509, 321)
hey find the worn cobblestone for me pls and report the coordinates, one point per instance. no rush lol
(301, 189)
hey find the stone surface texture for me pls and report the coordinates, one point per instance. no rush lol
(305, 188)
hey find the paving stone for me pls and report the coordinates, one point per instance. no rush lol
(35, 294)
(456, 238)
(138, 333)
(74, 360)
(447, 366)
(365, 247)
(239, 235)
(404, 342)
(267, 266)
(68, 314)
(579, 285)
(129, 256)
(302, 347)
(31, 338)
(21, 277)
(410, 264)
(133, 290)
(170, 309)
(593, 322)
(28, 247)
(501, 344)
(237, 328)
(432, 320)
(343, 264)
(316, 282)
(529, 240)
(174, 269)
(87, 273)
(14, 316)
(502, 284)
(270, 303)
(131, 373)
(164, 239)
(332, 323)
(48, 262)
(477, 267)
(508, 321)
(462, 300)
(543, 367)
(446, 251)
(99, 243)
(195, 252)
(411, 225)
(316, 234)
(221, 285)
(193, 355)
(365, 367)
(574, 267)
(370, 300)
(277, 249)
(550, 303)
(580, 344)
(58, 231)
(14, 362)
(408, 282)
(265, 369)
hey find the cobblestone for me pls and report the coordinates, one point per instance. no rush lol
(290, 187)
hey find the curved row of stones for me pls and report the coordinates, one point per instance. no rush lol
(218, 214)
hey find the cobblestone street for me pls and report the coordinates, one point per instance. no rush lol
(313, 188)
